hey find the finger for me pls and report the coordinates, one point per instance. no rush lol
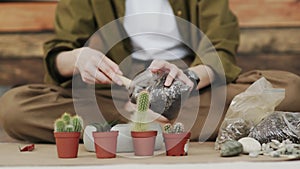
(100, 78)
(158, 65)
(86, 78)
(173, 72)
(113, 66)
(108, 71)
(96, 76)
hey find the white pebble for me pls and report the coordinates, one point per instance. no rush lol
(250, 145)
(254, 154)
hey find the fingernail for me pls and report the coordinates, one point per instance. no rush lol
(167, 83)
(120, 72)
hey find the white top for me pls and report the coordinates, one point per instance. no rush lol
(152, 28)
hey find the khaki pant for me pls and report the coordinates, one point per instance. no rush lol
(28, 112)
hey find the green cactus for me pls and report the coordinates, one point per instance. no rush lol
(67, 123)
(77, 122)
(59, 125)
(69, 128)
(66, 118)
(143, 102)
(176, 128)
(104, 127)
(167, 128)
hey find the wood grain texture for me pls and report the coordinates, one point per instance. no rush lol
(39, 16)
(27, 16)
(267, 13)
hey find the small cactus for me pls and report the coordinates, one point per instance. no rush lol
(143, 102)
(104, 127)
(168, 128)
(176, 128)
(69, 128)
(67, 123)
(66, 117)
(59, 125)
(77, 122)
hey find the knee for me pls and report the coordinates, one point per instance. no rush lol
(12, 111)
(292, 90)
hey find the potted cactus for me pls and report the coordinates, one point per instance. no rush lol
(67, 130)
(176, 140)
(143, 140)
(105, 140)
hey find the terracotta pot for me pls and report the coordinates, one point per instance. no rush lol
(106, 144)
(143, 142)
(176, 144)
(67, 144)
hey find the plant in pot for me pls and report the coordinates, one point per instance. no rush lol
(143, 139)
(67, 131)
(105, 140)
(176, 140)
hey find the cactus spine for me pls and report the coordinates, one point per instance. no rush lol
(176, 128)
(143, 102)
(67, 123)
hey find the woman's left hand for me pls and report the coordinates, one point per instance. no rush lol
(173, 72)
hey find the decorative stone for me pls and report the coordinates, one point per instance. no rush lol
(250, 145)
(274, 154)
(254, 154)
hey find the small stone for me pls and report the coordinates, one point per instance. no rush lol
(254, 154)
(289, 148)
(274, 154)
(281, 150)
(250, 145)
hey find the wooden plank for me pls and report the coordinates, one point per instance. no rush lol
(27, 16)
(267, 13)
(23, 45)
(39, 16)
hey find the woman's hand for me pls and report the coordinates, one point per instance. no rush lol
(173, 72)
(93, 66)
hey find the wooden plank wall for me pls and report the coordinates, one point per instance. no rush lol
(26, 16)
(37, 16)
(267, 13)
(270, 37)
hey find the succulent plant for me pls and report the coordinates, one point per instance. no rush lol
(104, 127)
(67, 123)
(143, 102)
(176, 128)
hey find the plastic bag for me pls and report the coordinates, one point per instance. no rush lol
(278, 126)
(247, 109)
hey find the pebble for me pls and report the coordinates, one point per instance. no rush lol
(250, 145)
(254, 154)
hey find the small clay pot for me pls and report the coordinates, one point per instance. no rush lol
(143, 142)
(67, 144)
(176, 143)
(106, 144)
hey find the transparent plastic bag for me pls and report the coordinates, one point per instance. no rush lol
(247, 109)
(278, 126)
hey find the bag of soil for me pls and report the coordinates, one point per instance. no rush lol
(247, 109)
(278, 126)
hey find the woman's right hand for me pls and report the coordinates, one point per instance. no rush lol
(93, 66)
